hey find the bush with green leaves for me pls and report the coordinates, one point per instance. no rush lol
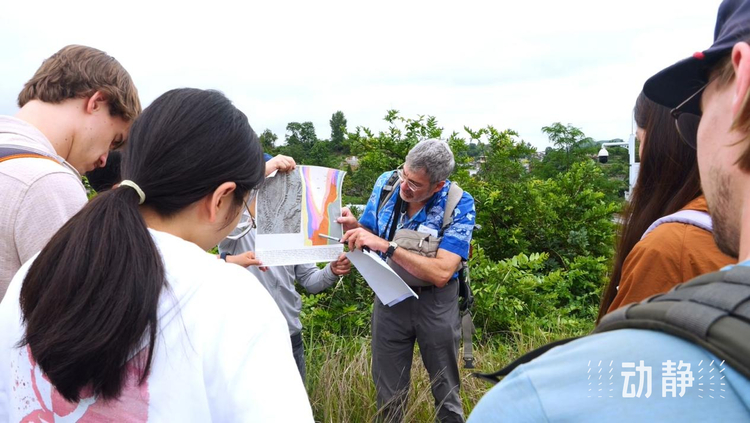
(521, 294)
(566, 216)
(342, 310)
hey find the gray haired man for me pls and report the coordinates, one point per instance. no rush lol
(418, 202)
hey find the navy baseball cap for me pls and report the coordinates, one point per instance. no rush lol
(675, 84)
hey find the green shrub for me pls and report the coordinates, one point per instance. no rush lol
(520, 294)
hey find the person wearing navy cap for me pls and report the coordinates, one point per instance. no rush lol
(691, 362)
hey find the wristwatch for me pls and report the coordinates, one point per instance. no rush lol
(391, 249)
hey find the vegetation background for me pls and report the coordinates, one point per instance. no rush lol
(539, 262)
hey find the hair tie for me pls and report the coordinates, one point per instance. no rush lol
(131, 184)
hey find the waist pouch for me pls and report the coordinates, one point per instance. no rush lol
(419, 243)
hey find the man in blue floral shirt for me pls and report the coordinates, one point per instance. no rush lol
(433, 319)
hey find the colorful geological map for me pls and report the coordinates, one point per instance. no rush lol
(321, 204)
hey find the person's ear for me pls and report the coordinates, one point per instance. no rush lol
(741, 64)
(220, 201)
(96, 102)
(438, 186)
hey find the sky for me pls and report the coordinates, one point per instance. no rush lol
(517, 65)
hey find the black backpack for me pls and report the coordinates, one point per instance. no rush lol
(712, 311)
(465, 296)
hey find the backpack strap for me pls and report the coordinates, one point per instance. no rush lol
(531, 355)
(385, 194)
(466, 299)
(696, 218)
(10, 153)
(387, 191)
(712, 311)
(455, 193)
(465, 303)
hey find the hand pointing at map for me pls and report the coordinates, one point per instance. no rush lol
(360, 237)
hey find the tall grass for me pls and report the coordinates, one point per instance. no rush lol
(340, 385)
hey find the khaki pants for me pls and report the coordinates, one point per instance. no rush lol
(433, 321)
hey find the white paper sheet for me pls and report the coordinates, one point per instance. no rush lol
(388, 286)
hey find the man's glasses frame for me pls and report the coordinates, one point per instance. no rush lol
(687, 122)
(402, 176)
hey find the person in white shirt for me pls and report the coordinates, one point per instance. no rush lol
(124, 316)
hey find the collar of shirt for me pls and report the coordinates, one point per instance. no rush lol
(745, 263)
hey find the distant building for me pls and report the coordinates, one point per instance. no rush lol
(352, 161)
(476, 165)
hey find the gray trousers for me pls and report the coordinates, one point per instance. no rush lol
(298, 349)
(432, 321)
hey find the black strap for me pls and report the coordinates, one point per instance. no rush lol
(394, 220)
(385, 195)
(531, 355)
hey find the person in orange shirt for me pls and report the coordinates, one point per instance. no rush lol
(666, 237)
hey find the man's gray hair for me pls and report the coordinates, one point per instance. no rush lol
(434, 157)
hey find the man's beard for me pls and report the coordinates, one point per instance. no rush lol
(410, 197)
(726, 232)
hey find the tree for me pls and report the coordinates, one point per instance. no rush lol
(338, 131)
(300, 133)
(571, 146)
(268, 140)
(476, 149)
(319, 154)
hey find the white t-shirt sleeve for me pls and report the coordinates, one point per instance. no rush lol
(252, 375)
(10, 333)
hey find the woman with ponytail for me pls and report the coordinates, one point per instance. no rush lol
(123, 316)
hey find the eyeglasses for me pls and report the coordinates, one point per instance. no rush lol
(247, 220)
(412, 186)
(686, 122)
